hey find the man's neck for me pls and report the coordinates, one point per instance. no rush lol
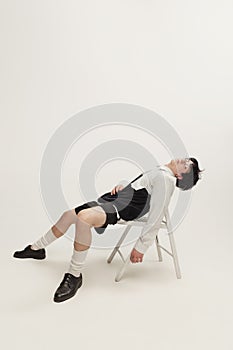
(171, 168)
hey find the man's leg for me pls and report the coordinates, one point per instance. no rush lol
(72, 280)
(93, 216)
(36, 250)
(86, 219)
(59, 229)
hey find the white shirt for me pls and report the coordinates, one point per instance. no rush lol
(160, 183)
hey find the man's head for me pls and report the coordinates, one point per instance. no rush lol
(186, 171)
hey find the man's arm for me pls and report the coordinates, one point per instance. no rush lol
(160, 197)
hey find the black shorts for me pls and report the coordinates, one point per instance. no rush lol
(138, 206)
(111, 213)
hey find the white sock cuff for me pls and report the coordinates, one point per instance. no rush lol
(45, 240)
(80, 255)
(77, 261)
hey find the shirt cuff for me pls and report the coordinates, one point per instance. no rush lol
(140, 247)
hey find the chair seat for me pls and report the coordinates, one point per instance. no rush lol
(139, 222)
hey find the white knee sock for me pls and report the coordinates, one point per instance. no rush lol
(45, 240)
(77, 262)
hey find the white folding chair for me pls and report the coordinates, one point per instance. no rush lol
(166, 224)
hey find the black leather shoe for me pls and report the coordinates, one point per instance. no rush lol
(30, 253)
(68, 287)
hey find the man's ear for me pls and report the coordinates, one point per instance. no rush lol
(179, 176)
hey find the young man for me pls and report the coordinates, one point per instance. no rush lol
(150, 192)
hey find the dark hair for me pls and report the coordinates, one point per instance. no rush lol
(189, 179)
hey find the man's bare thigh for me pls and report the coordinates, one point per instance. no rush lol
(94, 216)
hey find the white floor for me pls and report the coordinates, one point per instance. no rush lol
(149, 308)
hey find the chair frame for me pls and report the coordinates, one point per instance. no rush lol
(166, 224)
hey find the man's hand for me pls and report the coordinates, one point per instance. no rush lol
(136, 256)
(116, 189)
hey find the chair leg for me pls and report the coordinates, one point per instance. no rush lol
(117, 247)
(123, 268)
(174, 253)
(158, 248)
(172, 244)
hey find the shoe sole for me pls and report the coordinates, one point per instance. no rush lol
(29, 257)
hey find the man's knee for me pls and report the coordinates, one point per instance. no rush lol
(70, 213)
(85, 215)
(93, 216)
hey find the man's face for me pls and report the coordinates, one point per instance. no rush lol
(182, 165)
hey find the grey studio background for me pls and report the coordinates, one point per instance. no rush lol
(62, 57)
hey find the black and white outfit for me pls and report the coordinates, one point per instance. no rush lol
(149, 193)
